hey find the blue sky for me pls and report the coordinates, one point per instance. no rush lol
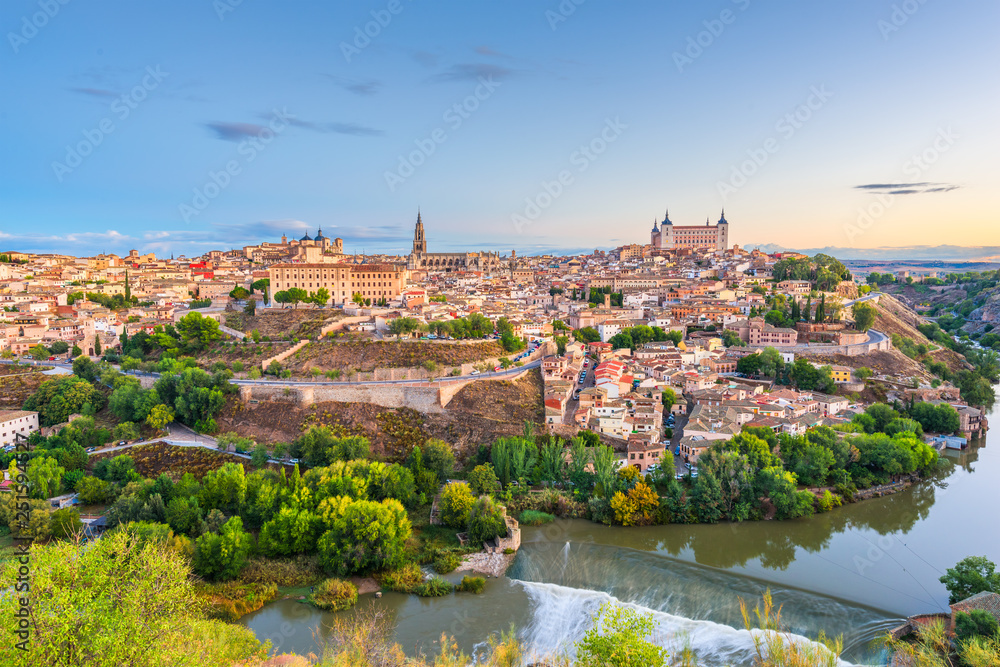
(536, 125)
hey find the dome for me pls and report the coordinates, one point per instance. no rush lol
(319, 235)
(306, 237)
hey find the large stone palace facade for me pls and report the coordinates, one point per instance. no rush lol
(305, 249)
(421, 260)
(669, 236)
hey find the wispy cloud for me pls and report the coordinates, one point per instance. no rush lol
(906, 188)
(491, 52)
(95, 92)
(235, 131)
(363, 87)
(471, 72)
(353, 129)
(426, 58)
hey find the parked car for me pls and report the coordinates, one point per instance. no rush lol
(497, 368)
(293, 461)
(474, 373)
(122, 442)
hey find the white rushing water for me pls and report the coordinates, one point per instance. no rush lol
(560, 617)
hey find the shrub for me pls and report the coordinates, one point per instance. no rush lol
(402, 580)
(483, 480)
(297, 571)
(446, 563)
(232, 600)
(334, 595)
(828, 501)
(535, 518)
(472, 585)
(485, 522)
(434, 587)
(456, 503)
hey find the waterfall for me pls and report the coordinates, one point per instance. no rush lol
(562, 615)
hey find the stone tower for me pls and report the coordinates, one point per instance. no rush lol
(419, 242)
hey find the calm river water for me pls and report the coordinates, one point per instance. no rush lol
(854, 572)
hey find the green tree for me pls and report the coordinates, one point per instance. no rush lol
(455, 504)
(362, 535)
(197, 332)
(971, 575)
(483, 481)
(138, 603)
(620, 638)
(321, 297)
(978, 623)
(94, 491)
(864, 316)
(44, 477)
(65, 523)
(259, 457)
(485, 521)
(224, 488)
(706, 498)
(160, 416)
(220, 556)
(291, 531)
(439, 458)
(126, 431)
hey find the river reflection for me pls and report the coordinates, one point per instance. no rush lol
(852, 571)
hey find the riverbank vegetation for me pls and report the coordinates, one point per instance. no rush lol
(756, 475)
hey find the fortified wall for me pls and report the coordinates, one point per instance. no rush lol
(428, 397)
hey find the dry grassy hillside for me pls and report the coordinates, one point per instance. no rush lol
(278, 322)
(478, 414)
(369, 355)
(894, 317)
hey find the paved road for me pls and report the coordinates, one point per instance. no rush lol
(867, 297)
(180, 435)
(513, 370)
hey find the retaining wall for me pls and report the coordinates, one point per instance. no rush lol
(281, 356)
(420, 396)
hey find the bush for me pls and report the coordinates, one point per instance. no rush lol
(483, 480)
(446, 563)
(297, 571)
(456, 503)
(232, 600)
(402, 580)
(485, 522)
(472, 585)
(334, 595)
(535, 518)
(434, 587)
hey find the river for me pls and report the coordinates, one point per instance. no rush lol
(854, 571)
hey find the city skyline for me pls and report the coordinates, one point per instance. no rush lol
(552, 127)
